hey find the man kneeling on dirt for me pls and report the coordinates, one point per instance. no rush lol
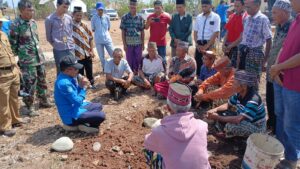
(244, 113)
(179, 135)
(151, 70)
(219, 86)
(70, 93)
(115, 69)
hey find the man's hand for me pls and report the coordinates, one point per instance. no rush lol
(147, 83)
(274, 71)
(224, 48)
(83, 82)
(212, 114)
(125, 47)
(150, 20)
(198, 96)
(143, 46)
(278, 80)
(126, 84)
(92, 54)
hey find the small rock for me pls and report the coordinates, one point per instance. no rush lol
(148, 122)
(116, 148)
(235, 148)
(121, 153)
(209, 153)
(132, 154)
(96, 146)
(22, 159)
(96, 162)
(63, 144)
(134, 105)
(156, 124)
(64, 158)
(19, 147)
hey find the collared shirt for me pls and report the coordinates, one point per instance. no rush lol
(117, 71)
(158, 30)
(59, 31)
(226, 84)
(7, 58)
(257, 29)
(101, 27)
(290, 48)
(177, 65)
(69, 98)
(251, 106)
(151, 67)
(222, 12)
(82, 39)
(235, 26)
(206, 26)
(280, 35)
(133, 26)
(205, 72)
(24, 41)
(181, 28)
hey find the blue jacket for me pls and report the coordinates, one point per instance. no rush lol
(69, 98)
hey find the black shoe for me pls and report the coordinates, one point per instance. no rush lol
(117, 93)
(9, 133)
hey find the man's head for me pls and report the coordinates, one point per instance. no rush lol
(243, 80)
(26, 9)
(3, 9)
(180, 6)
(117, 55)
(77, 14)
(62, 6)
(206, 6)
(133, 6)
(252, 6)
(281, 11)
(209, 58)
(182, 49)
(223, 65)
(222, 2)
(152, 50)
(70, 66)
(100, 8)
(179, 98)
(158, 7)
(239, 6)
(296, 5)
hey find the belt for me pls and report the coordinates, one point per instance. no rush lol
(202, 42)
(6, 68)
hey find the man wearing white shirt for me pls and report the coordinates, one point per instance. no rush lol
(206, 31)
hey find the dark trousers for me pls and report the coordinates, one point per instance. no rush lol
(198, 56)
(94, 116)
(112, 86)
(87, 68)
(270, 106)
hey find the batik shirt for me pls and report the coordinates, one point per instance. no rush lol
(24, 41)
(257, 29)
(251, 106)
(280, 35)
(82, 37)
(133, 26)
(178, 65)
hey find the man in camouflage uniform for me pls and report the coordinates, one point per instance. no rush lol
(25, 43)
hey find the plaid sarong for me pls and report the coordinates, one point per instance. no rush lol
(154, 160)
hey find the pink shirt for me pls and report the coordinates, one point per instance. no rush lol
(181, 140)
(291, 47)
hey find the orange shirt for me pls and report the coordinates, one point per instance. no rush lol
(226, 90)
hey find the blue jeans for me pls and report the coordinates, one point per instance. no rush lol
(162, 52)
(223, 30)
(287, 111)
(100, 49)
(58, 54)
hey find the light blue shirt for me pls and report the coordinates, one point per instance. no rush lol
(117, 71)
(69, 98)
(101, 26)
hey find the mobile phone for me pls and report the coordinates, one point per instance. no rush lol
(156, 19)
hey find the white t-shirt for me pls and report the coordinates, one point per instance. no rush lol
(117, 71)
(206, 26)
(154, 66)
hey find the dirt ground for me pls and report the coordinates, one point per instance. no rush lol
(30, 148)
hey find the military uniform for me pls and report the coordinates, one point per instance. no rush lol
(9, 86)
(25, 43)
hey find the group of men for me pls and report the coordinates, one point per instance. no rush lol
(229, 85)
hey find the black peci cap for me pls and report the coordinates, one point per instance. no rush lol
(70, 61)
(77, 9)
(60, 2)
(206, 2)
(180, 2)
